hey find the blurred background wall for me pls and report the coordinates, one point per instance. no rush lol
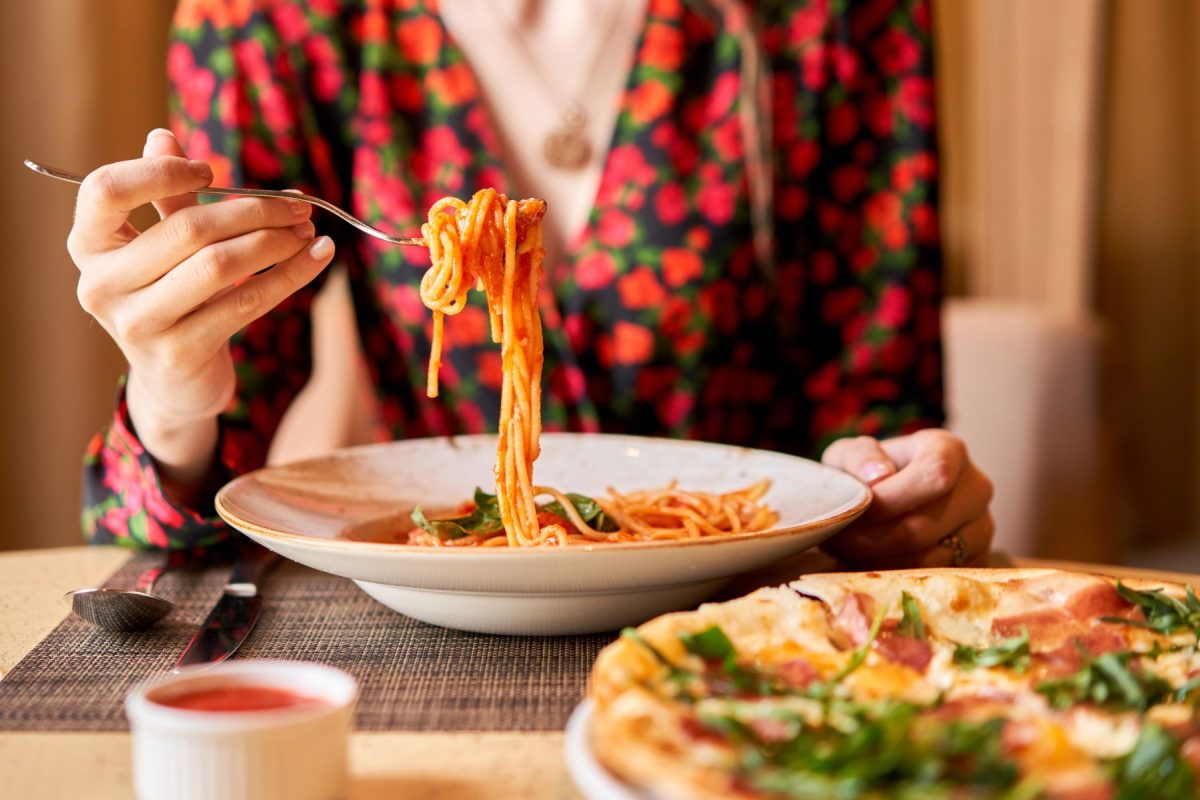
(83, 83)
(1071, 206)
(1148, 266)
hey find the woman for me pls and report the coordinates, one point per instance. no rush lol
(742, 242)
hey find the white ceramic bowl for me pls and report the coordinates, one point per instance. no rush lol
(282, 754)
(305, 511)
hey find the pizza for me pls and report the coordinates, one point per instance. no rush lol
(954, 683)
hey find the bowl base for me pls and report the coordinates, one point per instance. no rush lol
(539, 614)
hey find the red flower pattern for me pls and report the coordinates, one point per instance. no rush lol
(595, 271)
(670, 202)
(420, 39)
(640, 289)
(681, 266)
(616, 229)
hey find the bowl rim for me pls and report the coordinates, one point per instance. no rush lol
(858, 507)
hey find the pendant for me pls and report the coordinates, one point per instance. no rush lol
(568, 147)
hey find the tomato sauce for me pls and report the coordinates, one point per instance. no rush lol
(240, 698)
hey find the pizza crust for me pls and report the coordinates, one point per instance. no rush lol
(638, 739)
(757, 622)
(955, 604)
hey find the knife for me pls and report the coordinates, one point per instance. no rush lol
(234, 615)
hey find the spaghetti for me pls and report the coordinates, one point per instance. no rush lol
(495, 244)
(644, 516)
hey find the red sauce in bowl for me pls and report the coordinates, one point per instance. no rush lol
(240, 698)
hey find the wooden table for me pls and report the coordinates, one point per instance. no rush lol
(383, 765)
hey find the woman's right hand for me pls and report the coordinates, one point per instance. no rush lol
(173, 295)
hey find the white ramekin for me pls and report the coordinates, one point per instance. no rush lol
(298, 753)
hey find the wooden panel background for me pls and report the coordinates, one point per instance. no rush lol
(83, 84)
(1070, 137)
(1148, 271)
(1019, 86)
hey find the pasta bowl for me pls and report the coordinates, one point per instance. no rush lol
(341, 513)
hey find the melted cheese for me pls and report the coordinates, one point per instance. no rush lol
(824, 664)
(1048, 748)
(879, 679)
(1102, 734)
(1176, 668)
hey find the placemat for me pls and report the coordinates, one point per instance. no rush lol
(412, 676)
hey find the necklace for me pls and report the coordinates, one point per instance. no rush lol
(567, 147)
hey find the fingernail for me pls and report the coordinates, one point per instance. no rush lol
(201, 169)
(159, 132)
(304, 230)
(298, 207)
(873, 471)
(321, 248)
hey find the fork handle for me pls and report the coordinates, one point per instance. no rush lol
(175, 559)
(416, 241)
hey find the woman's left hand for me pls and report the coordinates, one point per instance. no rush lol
(930, 507)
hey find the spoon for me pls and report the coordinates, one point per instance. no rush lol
(127, 609)
(345, 216)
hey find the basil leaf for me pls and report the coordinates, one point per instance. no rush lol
(711, 644)
(1012, 652)
(680, 678)
(911, 623)
(1189, 686)
(443, 529)
(1107, 681)
(1154, 768)
(633, 635)
(860, 655)
(884, 749)
(1126, 684)
(723, 672)
(587, 508)
(482, 521)
(1163, 613)
(487, 504)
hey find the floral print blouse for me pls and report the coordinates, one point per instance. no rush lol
(659, 319)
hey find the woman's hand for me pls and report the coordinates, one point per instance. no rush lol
(171, 296)
(930, 507)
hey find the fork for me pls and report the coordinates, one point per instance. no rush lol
(345, 216)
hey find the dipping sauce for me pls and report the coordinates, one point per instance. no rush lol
(240, 698)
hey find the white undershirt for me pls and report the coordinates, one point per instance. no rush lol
(560, 37)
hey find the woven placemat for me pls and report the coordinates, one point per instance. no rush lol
(412, 676)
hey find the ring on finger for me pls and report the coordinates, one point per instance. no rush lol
(958, 547)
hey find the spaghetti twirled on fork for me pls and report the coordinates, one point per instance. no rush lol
(495, 244)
